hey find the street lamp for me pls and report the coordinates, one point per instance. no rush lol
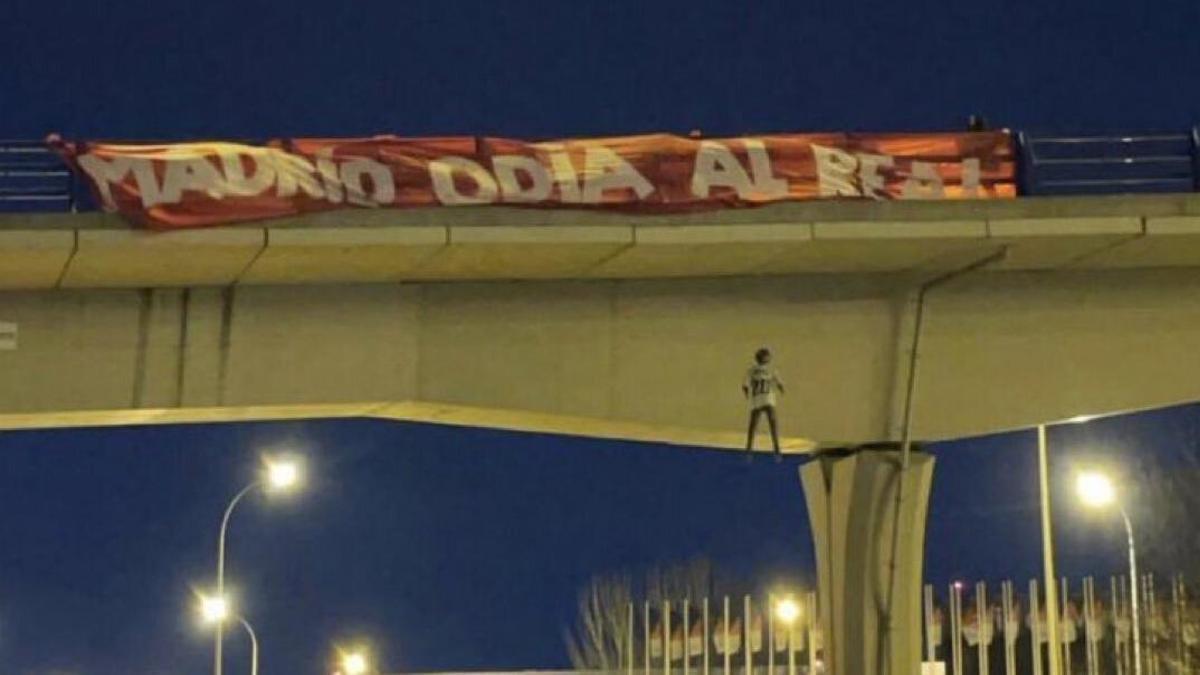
(354, 663)
(787, 610)
(1053, 657)
(214, 609)
(278, 475)
(1097, 491)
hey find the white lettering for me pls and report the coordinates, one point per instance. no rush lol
(293, 173)
(836, 170)
(766, 185)
(562, 170)
(605, 170)
(442, 172)
(970, 177)
(102, 172)
(869, 176)
(717, 167)
(507, 168)
(196, 174)
(236, 181)
(924, 182)
(383, 189)
(328, 171)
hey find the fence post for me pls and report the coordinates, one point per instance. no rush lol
(956, 628)
(687, 637)
(983, 620)
(1035, 626)
(747, 620)
(725, 628)
(707, 634)
(1064, 615)
(646, 634)
(666, 624)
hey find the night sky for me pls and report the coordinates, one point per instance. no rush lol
(250, 68)
(452, 547)
(464, 548)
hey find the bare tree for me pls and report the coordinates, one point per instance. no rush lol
(600, 639)
(1166, 507)
(692, 579)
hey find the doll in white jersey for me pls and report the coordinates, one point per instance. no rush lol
(759, 388)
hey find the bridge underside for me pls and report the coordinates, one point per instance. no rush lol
(1096, 308)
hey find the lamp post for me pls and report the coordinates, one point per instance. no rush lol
(253, 645)
(1053, 658)
(1053, 654)
(277, 476)
(214, 609)
(1097, 490)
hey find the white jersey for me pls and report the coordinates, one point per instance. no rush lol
(762, 382)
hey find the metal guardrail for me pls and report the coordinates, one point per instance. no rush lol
(1098, 165)
(33, 178)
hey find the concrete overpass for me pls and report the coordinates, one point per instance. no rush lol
(605, 325)
(648, 320)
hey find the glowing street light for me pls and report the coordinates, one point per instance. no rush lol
(354, 663)
(214, 608)
(282, 475)
(787, 611)
(1097, 491)
(278, 475)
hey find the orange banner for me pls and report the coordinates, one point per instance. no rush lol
(181, 185)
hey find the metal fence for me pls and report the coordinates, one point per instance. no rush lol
(973, 630)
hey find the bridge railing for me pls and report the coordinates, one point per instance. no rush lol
(1098, 165)
(33, 178)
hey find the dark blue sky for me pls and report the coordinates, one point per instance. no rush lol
(459, 548)
(454, 547)
(155, 68)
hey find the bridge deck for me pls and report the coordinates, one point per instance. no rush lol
(94, 250)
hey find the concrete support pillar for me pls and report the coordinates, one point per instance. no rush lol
(851, 497)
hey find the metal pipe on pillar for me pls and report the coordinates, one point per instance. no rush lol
(811, 603)
(930, 655)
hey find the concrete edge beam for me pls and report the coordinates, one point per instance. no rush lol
(1070, 227)
(883, 230)
(542, 234)
(358, 236)
(1173, 225)
(687, 235)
